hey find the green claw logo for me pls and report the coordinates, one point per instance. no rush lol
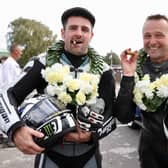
(49, 129)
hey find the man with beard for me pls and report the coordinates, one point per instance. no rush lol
(79, 148)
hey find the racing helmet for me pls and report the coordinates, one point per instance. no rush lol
(46, 115)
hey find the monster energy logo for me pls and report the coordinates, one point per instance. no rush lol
(48, 129)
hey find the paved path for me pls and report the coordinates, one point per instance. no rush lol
(119, 150)
(13, 158)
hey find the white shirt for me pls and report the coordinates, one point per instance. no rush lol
(10, 72)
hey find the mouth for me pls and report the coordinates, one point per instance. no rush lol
(153, 50)
(76, 42)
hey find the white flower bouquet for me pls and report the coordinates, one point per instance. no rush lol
(150, 95)
(70, 90)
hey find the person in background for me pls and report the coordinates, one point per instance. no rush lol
(11, 69)
(150, 93)
(79, 148)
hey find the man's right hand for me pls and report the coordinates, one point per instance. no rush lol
(128, 61)
(23, 139)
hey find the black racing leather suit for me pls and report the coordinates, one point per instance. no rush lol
(153, 147)
(75, 152)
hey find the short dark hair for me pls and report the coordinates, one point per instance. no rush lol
(157, 17)
(77, 11)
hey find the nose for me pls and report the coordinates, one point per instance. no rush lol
(79, 31)
(153, 40)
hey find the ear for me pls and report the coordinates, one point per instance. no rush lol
(62, 33)
(92, 34)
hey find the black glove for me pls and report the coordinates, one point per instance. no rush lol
(90, 118)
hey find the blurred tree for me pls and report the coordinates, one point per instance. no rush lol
(112, 58)
(33, 36)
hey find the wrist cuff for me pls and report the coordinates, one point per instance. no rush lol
(13, 129)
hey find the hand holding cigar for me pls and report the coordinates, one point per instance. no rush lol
(130, 53)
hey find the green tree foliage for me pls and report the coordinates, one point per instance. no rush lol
(34, 36)
(112, 58)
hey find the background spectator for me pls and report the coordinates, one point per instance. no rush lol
(11, 69)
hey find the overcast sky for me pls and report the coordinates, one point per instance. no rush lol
(118, 22)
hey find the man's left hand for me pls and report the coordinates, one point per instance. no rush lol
(88, 119)
(78, 136)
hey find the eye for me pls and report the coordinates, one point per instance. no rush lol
(147, 36)
(85, 29)
(159, 35)
(73, 27)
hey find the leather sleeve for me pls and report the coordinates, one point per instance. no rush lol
(15, 95)
(107, 92)
(124, 106)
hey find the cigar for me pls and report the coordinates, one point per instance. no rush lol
(130, 53)
(74, 41)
